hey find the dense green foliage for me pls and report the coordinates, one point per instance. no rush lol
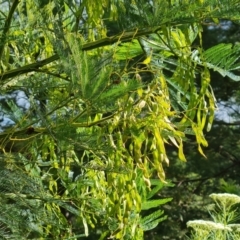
(95, 93)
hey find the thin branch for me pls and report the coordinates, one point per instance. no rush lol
(7, 26)
(28, 68)
(125, 36)
(217, 175)
(221, 173)
(236, 123)
(52, 74)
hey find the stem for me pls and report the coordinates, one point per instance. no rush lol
(7, 26)
(125, 36)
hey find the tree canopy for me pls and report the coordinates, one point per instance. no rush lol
(93, 94)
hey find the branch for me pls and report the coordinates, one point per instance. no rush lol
(217, 175)
(221, 173)
(125, 36)
(28, 68)
(7, 26)
(227, 123)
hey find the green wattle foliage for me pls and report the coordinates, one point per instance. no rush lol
(100, 111)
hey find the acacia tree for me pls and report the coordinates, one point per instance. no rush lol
(92, 92)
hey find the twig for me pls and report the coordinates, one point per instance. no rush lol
(125, 36)
(7, 26)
